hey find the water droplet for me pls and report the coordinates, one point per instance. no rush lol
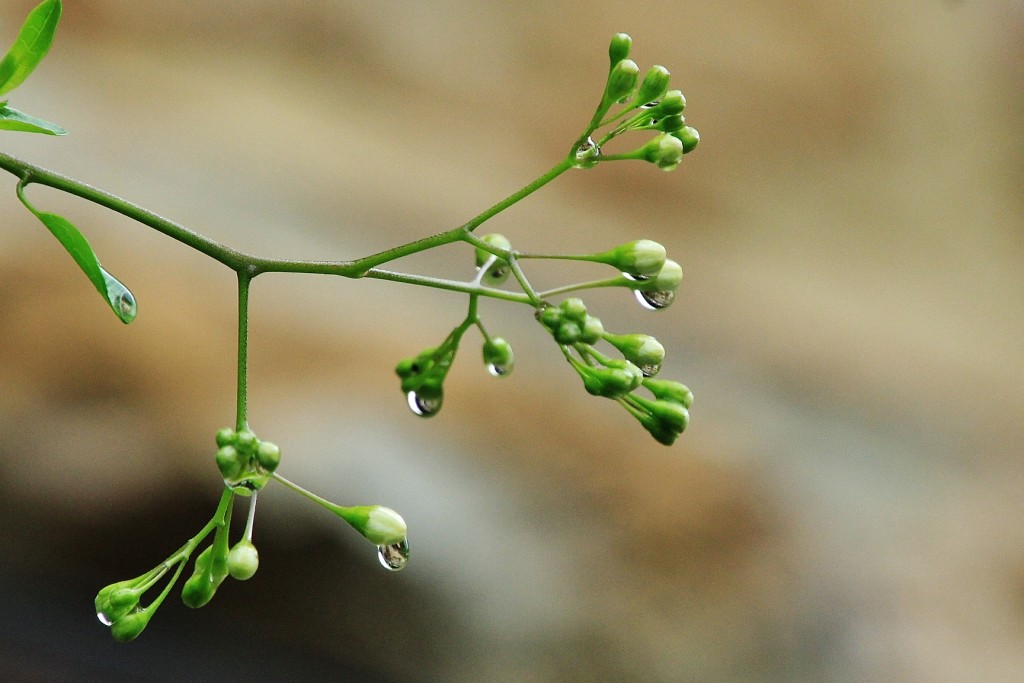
(121, 300)
(394, 557)
(103, 619)
(500, 369)
(586, 154)
(654, 300)
(424, 407)
(651, 104)
(635, 278)
(650, 370)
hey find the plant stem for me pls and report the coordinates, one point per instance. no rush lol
(241, 416)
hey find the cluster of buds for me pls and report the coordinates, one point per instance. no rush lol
(245, 462)
(576, 331)
(646, 105)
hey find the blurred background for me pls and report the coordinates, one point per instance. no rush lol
(846, 504)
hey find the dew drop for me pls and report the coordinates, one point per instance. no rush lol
(103, 619)
(424, 407)
(635, 278)
(394, 557)
(499, 369)
(650, 370)
(586, 154)
(121, 300)
(654, 300)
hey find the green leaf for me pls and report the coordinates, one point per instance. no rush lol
(31, 46)
(12, 119)
(116, 294)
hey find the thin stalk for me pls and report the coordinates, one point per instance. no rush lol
(242, 396)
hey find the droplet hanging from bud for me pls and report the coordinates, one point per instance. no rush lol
(654, 300)
(394, 557)
(424, 406)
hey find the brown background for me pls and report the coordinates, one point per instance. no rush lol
(846, 505)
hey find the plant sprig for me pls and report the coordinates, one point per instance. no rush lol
(247, 463)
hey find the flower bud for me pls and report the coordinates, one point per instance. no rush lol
(378, 524)
(128, 627)
(499, 269)
(667, 390)
(618, 49)
(622, 80)
(498, 356)
(568, 332)
(614, 381)
(665, 151)
(667, 279)
(243, 560)
(639, 258)
(592, 330)
(642, 350)
(671, 124)
(226, 437)
(198, 590)
(230, 462)
(246, 442)
(664, 420)
(689, 137)
(268, 455)
(654, 85)
(550, 317)
(672, 103)
(574, 309)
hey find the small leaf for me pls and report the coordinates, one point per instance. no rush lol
(116, 294)
(33, 42)
(12, 119)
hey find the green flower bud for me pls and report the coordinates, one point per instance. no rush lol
(117, 600)
(499, 269)
(672, 103)
(568, 332)
(198, 590)
(622, 80)
(665, 151)
(128, 627)
(667, 390)
(243, 560)
(654, 85)
(672, 124)
(665, 420)
(246, 443)
(574, 309)
(498, 356)
(226, 437)
(378, 524)
(639, 258)
(668, 278)
(230, 462)
(550, 317)
(592, 330)
(641, 350)
(689, 137)
(268, 455)
(611, 382)
(618, 49)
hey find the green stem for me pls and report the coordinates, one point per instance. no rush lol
(322, 502)
(30, 173)
(557, 170)
(241, 414)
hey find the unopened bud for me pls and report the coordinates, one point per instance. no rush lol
(243, 560)
(689, 137)
(622, 80)
(619, 47)
(654, 85)
(639, 258)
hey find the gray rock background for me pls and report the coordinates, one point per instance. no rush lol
(846, 504)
